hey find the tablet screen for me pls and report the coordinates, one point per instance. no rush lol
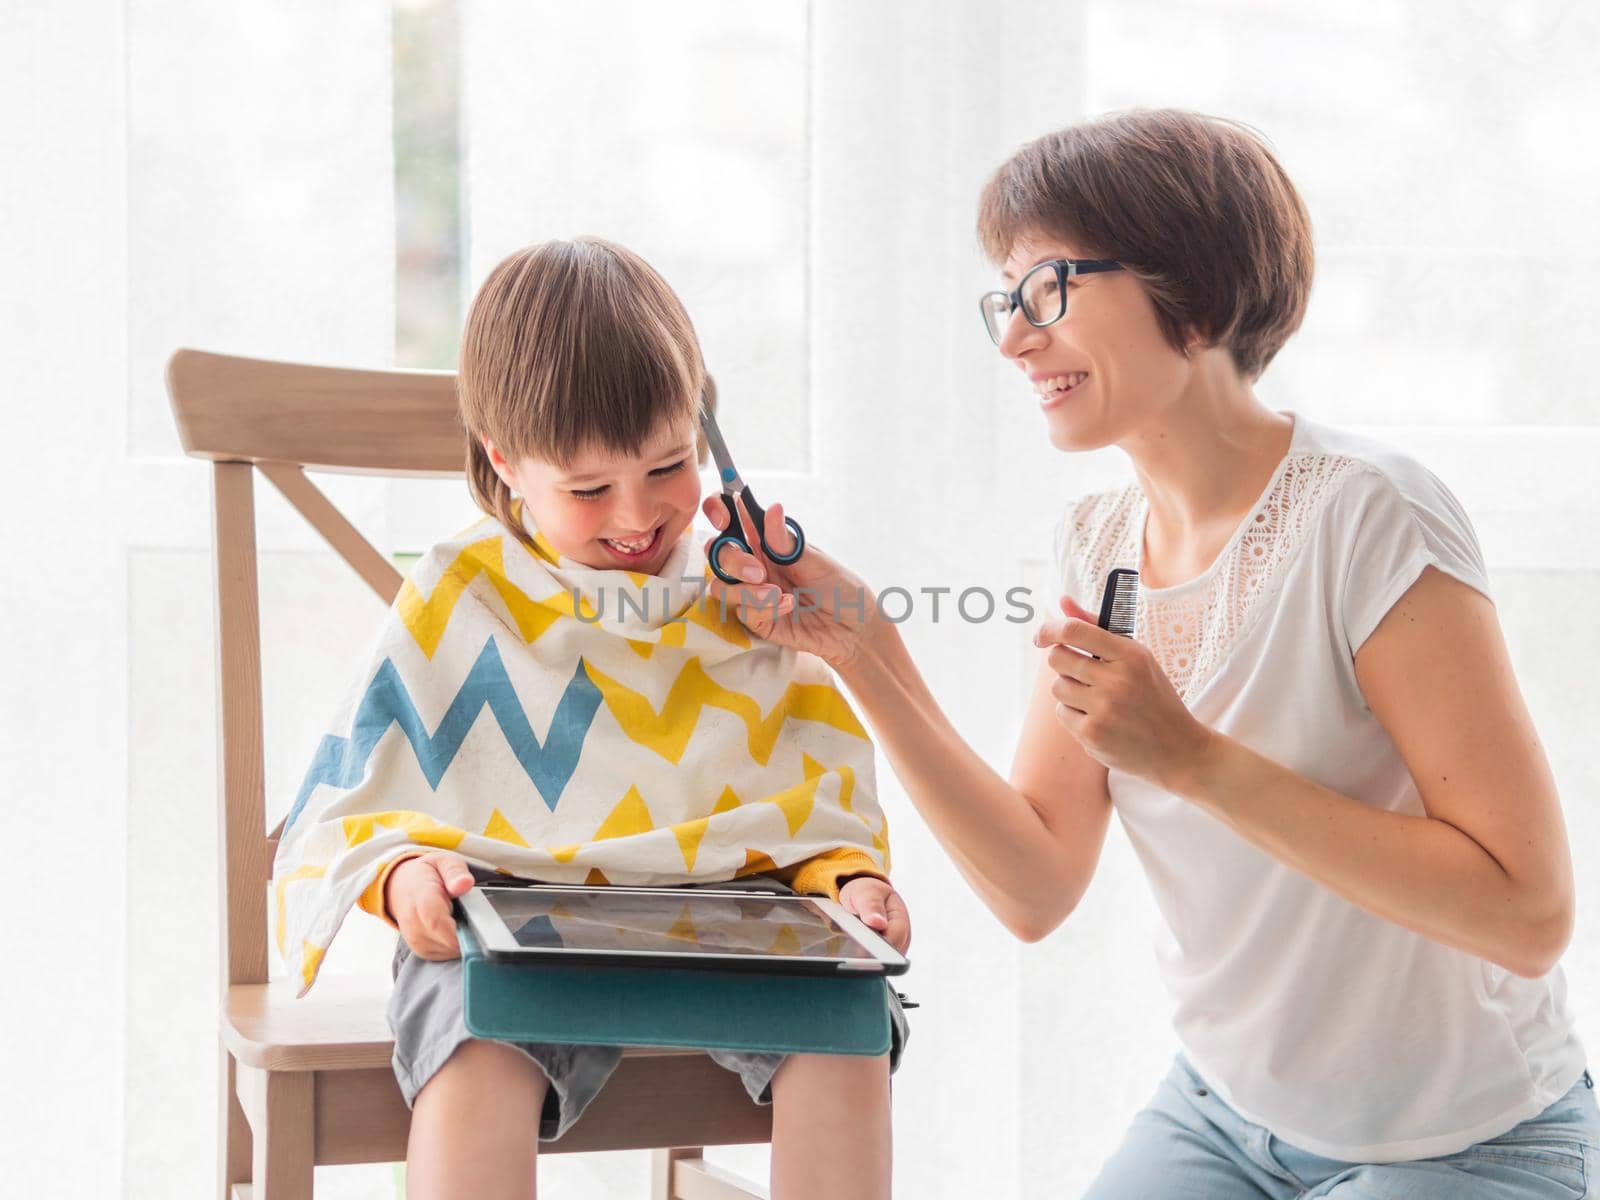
(620, 921)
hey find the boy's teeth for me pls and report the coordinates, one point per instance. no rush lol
(632, 547)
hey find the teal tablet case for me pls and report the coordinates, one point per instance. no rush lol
(671, 1006)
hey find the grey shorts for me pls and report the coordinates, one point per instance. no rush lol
(425, 1013)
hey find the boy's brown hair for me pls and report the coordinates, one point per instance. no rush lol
(570, 346)
(1196, 207)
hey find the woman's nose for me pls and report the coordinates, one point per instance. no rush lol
(1020, 335)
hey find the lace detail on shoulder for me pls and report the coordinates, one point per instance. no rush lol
(1100, 529)
(1193, 627)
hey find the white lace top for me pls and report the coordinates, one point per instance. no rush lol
(1341, 1032)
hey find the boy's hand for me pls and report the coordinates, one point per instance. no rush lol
(880, 908)
(418, 894)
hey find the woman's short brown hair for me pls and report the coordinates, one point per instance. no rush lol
(570, 346)
(1196, 207)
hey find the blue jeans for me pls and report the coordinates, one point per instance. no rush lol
(1187, 1142)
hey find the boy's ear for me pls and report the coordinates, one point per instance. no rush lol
(708, 401)
(498, 462)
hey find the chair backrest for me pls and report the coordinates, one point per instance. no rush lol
(246, 415)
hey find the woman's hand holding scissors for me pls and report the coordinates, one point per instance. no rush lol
(790, 593)
(1119, 704)
(811, 604)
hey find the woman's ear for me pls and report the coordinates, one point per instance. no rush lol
(1194, 341)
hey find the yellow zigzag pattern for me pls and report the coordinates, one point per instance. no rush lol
(310, 961)
(847, 788)
(279, 885)
(631, 815)
(668, 732)
(706, 613)
(419, 827)
(503, 830)
(428, 618)
(310, 953)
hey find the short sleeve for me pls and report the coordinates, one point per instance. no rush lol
(1397, 525)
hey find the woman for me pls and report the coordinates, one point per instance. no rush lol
(1315, 741)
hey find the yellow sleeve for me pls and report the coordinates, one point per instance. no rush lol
(371, 900)
(820, 876)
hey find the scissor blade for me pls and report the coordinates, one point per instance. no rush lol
(726, 471)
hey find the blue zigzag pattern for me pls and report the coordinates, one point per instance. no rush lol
(342, 761)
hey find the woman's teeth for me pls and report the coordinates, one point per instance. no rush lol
(1060, 383)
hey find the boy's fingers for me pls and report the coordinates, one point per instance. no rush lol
(453, 873)
(899, 931)
(437, 930)
(867, 903)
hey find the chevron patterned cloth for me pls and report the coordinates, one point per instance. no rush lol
(557, 722)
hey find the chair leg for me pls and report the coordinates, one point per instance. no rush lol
(282, 1127)
(233, 1147)
(684, 1174)
(661, 1170)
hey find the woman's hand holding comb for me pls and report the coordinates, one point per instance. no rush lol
(1113, 696)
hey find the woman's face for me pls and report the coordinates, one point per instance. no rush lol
(608, 510)
(1105, 368)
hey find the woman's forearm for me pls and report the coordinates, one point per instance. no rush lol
(1417, 871)
(1029, 874)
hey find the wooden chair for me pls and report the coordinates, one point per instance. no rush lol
(308, 1082)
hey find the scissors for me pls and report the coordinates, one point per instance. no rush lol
(733, 486)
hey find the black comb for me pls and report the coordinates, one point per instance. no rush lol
(1121, 602)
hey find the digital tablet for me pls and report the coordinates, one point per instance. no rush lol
(675, 927)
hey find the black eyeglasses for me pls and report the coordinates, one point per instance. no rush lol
(1041, 294)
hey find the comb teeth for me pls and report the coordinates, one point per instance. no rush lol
(1119, 609)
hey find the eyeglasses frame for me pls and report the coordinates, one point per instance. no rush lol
(1065, 269)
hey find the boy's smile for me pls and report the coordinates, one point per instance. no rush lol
(612, 510)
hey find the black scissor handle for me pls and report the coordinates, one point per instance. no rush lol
(735, 534)
(799, 536)
(760, 515)
(715, 553)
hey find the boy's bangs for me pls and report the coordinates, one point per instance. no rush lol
(628, 375)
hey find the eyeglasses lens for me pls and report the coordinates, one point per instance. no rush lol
(1043, 299)
(996, 314)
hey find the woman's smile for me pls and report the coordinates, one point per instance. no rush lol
(1054, 389)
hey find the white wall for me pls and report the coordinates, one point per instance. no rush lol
(63, 714)
(179, 177)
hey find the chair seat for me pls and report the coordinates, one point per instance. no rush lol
(339, 1031)
(341, 1024)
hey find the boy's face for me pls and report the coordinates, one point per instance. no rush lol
(608, 510)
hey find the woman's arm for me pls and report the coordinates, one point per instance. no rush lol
(1488, 869)
(1027, 847)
